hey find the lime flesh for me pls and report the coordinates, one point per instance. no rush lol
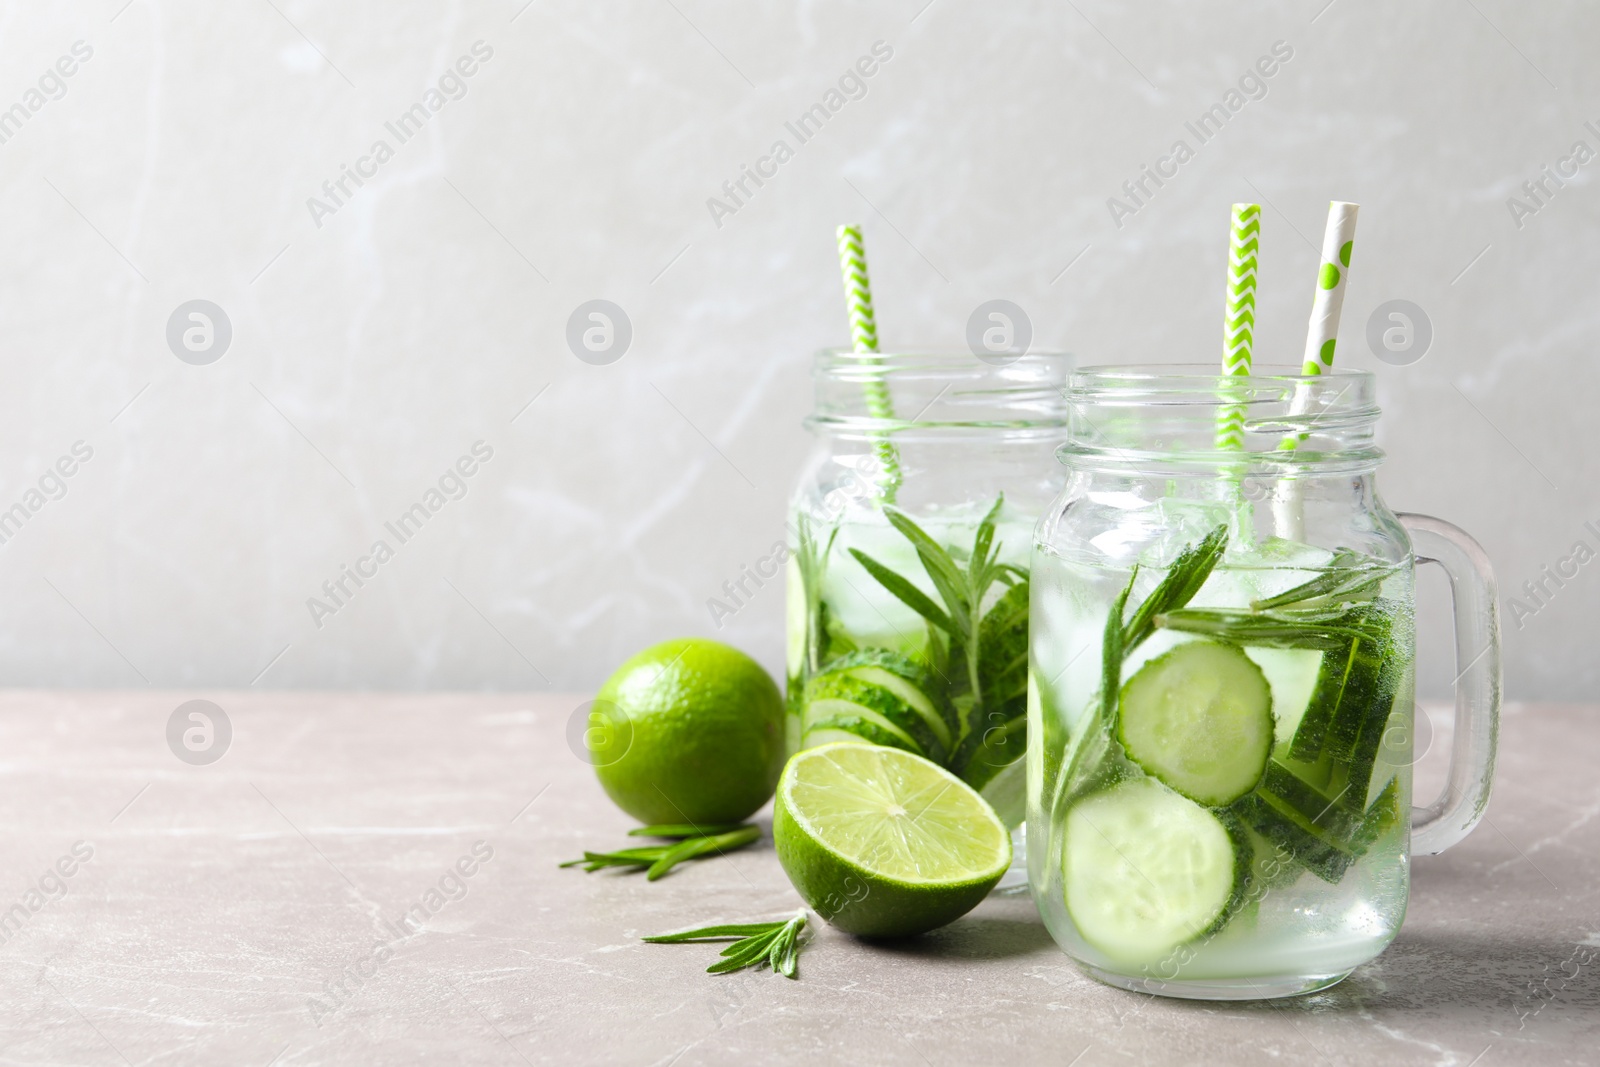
(883, 843)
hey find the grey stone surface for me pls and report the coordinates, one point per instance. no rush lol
(221, 899)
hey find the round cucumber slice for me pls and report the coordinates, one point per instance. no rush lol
(851, 728)
(1146, 870)
(886, 692)
(1199, 719)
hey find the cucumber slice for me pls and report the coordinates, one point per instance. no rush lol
(857, 729)
(906, 688)
(846, 698)
(1326, 846)
(1292, 673)
(1199, 719)
(888, 690)
(1338, 816)
(1311, 847)
(1147, 870)
(1356, 688)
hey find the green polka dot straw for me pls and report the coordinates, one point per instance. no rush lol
(1332, 279)
(1324, 330)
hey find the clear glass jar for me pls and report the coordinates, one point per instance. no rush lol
(1221, 676)
(876, 649)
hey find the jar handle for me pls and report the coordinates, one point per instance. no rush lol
(1477, 723)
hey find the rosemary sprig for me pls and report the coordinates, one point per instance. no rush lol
(1350, 576)
(685, 829)
(1322, 630)
(657, 860)
(1183, 580)
(962, 589)
(775, 944)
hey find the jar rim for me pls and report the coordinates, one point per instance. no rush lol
(1176, 377)
(943, 390)
(1163, 418)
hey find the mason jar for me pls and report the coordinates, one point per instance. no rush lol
(908, 573)
(1221, 682)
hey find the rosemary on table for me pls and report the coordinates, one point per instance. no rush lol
(774, 944)
(657, 860)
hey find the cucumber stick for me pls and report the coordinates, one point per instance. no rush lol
(1199, 719)
(1146, 870)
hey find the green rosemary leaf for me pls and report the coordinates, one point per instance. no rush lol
(752, 942)
(685, 829)
(980, 543)
(775, 944)
(946, 576)
(1111, 650)
(743, 953)
(1347, 568)
(699, 846)
(628, 857)
(908, 594)
(716, 933)
(659, 859)
(1183, 580)
(777, 953)
(1324, 630)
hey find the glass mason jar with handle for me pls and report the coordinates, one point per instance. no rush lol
(908, 573)
(1221, 686)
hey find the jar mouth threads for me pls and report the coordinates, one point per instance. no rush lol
(1161, 418)
(940, 391)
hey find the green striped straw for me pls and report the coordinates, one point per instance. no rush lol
(864, 336)
(1239, 322)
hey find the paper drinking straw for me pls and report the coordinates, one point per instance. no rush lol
(1337, 238)
(864, 336)
(1322, 334)
(1239, 321)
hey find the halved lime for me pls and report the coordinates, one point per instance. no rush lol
(883, 843)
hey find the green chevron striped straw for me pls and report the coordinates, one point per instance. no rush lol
(1239, 322)
(864, 336)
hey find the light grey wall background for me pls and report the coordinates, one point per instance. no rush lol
(373, 345)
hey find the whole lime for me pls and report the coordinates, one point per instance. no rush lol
(691, 731)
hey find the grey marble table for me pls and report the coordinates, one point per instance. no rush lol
(254, 911)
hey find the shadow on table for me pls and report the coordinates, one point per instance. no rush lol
(1486, 979)
(975, 939)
